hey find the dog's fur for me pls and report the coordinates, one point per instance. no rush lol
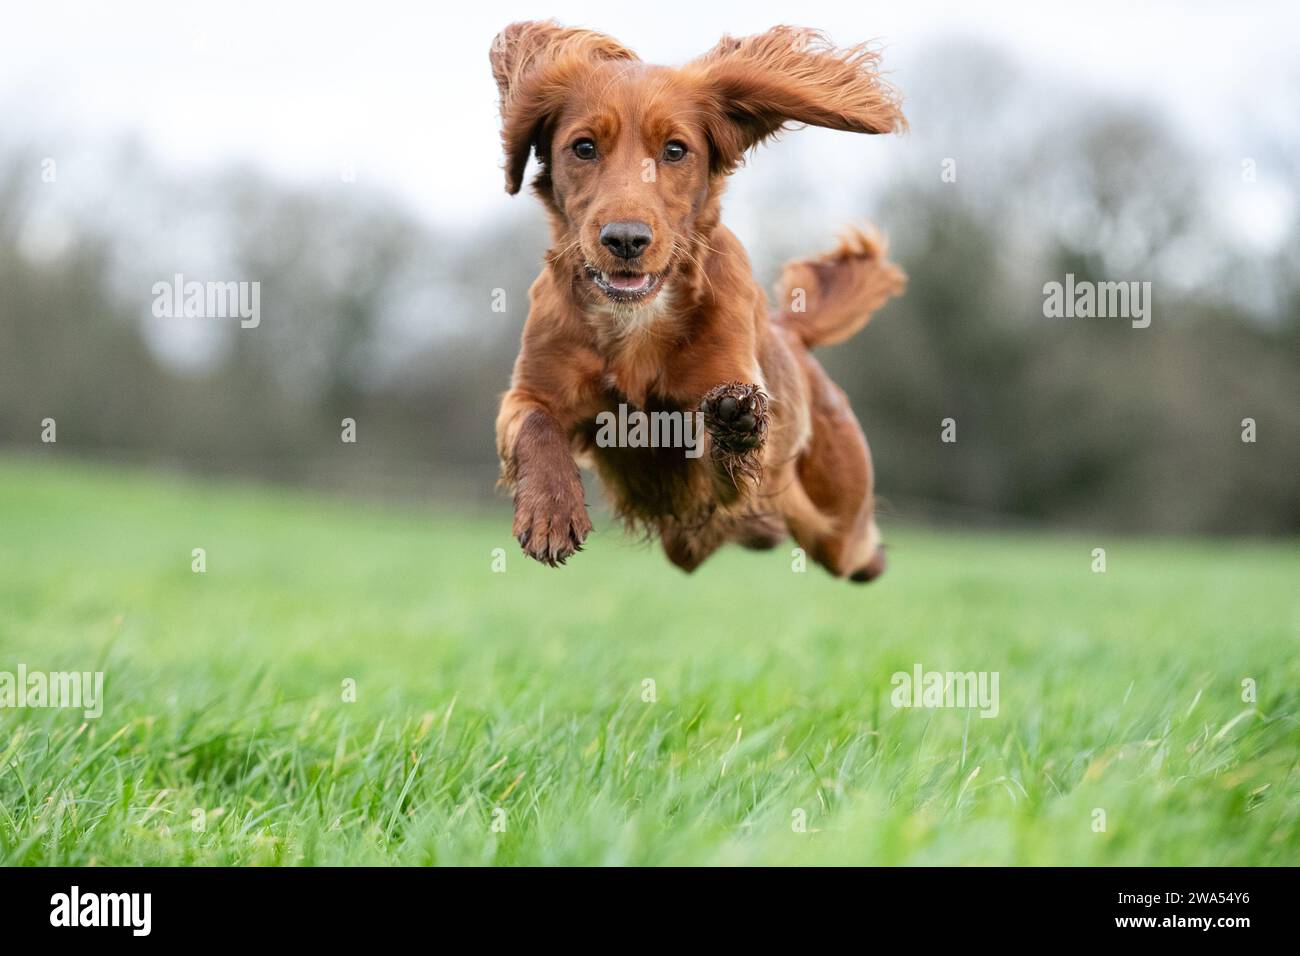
(784, 451)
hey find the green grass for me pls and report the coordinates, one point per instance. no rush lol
(520, 694)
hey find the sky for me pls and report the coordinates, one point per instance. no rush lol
(401, 93)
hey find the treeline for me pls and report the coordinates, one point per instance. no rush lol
(369, 313)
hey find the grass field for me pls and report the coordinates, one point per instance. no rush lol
(500, 717)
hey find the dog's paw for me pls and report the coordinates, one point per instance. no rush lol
(736, 416)
(549, 527)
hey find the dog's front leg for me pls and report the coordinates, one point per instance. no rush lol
(537, 463)
(737, 418)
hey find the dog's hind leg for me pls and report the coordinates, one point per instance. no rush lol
(688, 544)
(760, 532)
(836, 478)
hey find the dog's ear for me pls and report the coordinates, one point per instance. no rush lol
(534, 63)
(755, 86)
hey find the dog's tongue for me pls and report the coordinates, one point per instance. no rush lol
(629, 282)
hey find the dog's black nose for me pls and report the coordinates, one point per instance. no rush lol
(626, 239)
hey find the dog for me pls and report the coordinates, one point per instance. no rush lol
(646, 300)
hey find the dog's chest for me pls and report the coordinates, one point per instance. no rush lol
(639, 350)
(645, 453)
(637, 370)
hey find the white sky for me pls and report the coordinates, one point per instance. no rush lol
(403, 90)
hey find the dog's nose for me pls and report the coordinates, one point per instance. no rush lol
(626, 239)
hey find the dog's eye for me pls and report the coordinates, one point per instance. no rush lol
(674, 152)
(585, 149)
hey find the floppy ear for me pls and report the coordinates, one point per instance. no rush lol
(754, 86)
(534, 62)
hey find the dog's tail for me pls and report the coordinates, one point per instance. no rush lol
(828, 298)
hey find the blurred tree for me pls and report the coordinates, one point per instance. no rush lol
(411, 330)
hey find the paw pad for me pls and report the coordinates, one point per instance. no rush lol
(736, 416)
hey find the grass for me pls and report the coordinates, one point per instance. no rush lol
(500, 717)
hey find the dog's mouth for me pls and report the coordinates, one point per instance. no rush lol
(625, 286)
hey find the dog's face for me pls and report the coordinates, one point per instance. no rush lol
(629, 174)
(632, 155)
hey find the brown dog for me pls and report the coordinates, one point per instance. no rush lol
(647, 301)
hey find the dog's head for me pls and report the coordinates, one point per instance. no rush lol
(632, 156)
